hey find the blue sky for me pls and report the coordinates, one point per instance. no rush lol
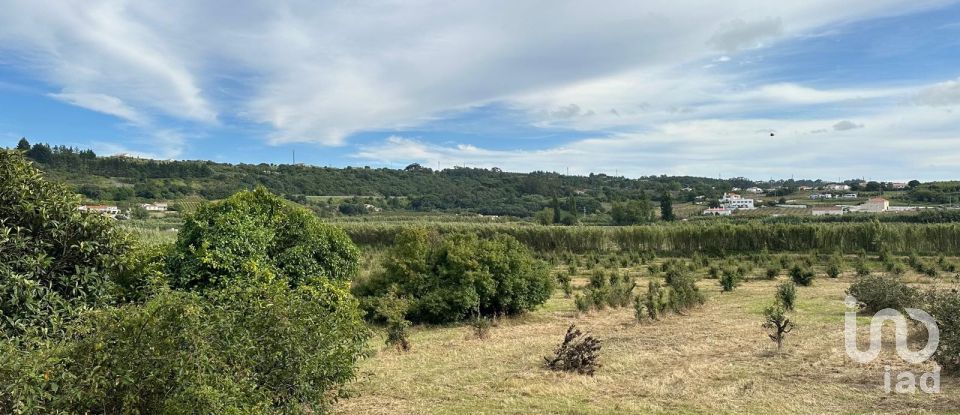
(859, 89)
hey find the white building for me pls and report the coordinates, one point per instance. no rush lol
(104, 209)
(828, 210)
(875, 205)
(898, 185)
(849, 196)
(821, 196)
(717, 212)
(154, 207)
(836, 187)
(754, 190)
(733, 201)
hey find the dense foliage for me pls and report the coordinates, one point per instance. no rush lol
(54, 260)
(944, 306)
(450, 278)
(876, 292)
(258, 231)
(260, 323)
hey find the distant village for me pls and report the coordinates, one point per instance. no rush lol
(732, 201)
(115, 212)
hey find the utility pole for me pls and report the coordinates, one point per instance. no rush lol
(294, 156)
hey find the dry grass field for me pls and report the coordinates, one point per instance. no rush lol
(716, 359)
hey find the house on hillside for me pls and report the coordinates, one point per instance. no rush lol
(875, 205)
(754, 190)
(898, 185)
(816, 196)
(828, 210)
(849, 196)
(733, 201)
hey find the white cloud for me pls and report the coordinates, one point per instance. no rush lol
(321, 71)
(739, 34)
(846, 125)
(101, 103)
(730, 148)
(940, 95)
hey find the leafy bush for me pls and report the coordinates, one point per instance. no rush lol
(55, 261)
(582, 302)
(258, 231)
(861, 267)
(877, 292)
(451, 278)
(944, 306)
(834, 266)
(392, 310)
(656, 300)
(684, 293)
(190, 353)
(578, 353)
(787, 295)
(729, 281)
(772, 272)
(802, 275)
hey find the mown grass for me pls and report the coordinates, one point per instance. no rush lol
(716, 359)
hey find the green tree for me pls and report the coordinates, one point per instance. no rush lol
(666, 207)
(556, 210)
(257, 230)
(572, 206)
(54, 260)
(23, 144)
(460, 275)
(40, 153)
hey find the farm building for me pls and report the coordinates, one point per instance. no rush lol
(875, 205)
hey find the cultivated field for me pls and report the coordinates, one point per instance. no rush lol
(715, 359)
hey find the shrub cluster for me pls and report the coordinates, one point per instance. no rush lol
(257, 318)
(877, 292)
(802, 275)
(451, 278)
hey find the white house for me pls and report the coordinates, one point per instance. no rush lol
(717, 212)
(875, 205)
(734, 201)
(837, 187)
(827, 210)
(754, 190)
(805, 188)
(821, 196)
(154, 207)
(898, 185)
(849, 196)
(104, 209)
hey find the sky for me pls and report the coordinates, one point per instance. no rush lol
(758, 89)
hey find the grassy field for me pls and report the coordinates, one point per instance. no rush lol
(716, 359)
